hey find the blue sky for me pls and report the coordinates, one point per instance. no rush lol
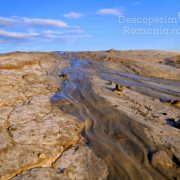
(69, 25)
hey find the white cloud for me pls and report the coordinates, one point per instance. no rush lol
(32, 21)
(45, 22)
(109, 11)
(73, 15)
(28, 32)
(41, 36)
(52, 34)
(7, 21)
(8, 34)
(65, 36)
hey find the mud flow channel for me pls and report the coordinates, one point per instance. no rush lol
(112, 135)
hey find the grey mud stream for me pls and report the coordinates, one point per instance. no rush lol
(112, 135)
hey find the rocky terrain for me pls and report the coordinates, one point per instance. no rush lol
(90, 115)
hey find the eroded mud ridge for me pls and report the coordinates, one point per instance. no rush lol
(90, 115)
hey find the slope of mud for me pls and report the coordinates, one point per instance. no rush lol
(118, 139)
(90, 115)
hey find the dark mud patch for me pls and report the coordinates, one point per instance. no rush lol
(173, 123)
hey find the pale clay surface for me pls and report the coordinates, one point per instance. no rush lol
(38, 141)
(36, 138)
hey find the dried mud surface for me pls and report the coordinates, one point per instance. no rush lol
(34, 134)
(110, 115)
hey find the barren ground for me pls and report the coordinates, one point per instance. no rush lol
(81, 127)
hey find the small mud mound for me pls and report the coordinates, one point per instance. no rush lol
(64, 76)
(111, 51)
(161, 158)
(173, 61)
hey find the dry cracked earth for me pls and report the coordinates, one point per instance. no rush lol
(90, 115)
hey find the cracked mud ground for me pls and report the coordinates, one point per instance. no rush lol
(33, 133)
(98, 133)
